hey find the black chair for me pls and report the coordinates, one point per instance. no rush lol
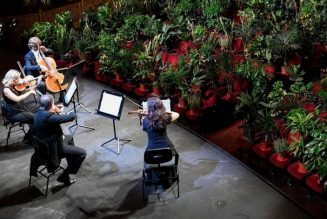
(160, 168)
(10, 126)
(40, 162)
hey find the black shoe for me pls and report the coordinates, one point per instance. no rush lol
(65, 179)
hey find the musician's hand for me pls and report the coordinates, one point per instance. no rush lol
(52, 72)
(43, 68)
(43, 49)
(33, 87)
(32, 92)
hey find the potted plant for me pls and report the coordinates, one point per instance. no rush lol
(194, 103)
(283, 44)
(281, 149)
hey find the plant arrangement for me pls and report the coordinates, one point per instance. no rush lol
(271, 34)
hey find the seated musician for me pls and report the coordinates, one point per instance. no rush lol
(155, 122)
(32, 66)
(15, 109)
(47, 127)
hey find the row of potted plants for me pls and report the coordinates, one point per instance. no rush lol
(266, 57)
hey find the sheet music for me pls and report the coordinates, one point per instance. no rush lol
(110, 104)
(166, 103)
(71, 91)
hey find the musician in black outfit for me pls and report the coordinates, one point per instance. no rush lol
(47, 127)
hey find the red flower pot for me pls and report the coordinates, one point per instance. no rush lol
(294, 60)
(270, 69)
(309, 107)
(293, 137)
(238, 44)
(173, 59)
(284, 71)
(164, 57)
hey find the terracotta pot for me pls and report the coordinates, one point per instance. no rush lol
(164, 57)
(238, 44)
(294, 60)
(280, 157)
(183, 47)
(182, 103)
(143, 87)
(301, 168)
(284, 71)
(118, 77)
(130, 44)
(270, 69)
(309, 107)
(293, 137)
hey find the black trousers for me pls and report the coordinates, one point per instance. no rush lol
(73, 154)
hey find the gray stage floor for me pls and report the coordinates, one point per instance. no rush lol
(212, 184)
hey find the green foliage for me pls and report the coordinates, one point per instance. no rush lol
(194, 100)
(254, 74)
(248, 108)
(280, 146)
(168, 81)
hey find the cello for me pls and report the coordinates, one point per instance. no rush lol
(54, 79)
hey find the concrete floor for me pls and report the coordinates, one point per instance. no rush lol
(212, 183)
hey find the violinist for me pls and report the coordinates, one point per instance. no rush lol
(155, 121)
(47, 127)
(15, 109)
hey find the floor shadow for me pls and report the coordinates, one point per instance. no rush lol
(22, 196)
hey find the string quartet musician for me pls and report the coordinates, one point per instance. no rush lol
(47, 127)
(155, 121)
(32, 67)
(15, 109)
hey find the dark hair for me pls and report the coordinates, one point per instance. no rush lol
(156, 114)
(46, 102)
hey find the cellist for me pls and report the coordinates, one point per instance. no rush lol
(32, 66)
(32, 58)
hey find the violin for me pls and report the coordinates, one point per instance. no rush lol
(54, 79)
(25, 83)
(140, 112)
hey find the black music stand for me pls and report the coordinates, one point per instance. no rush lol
(69, 97)
(111, 106)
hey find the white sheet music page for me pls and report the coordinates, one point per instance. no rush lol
(110, 104)
(166, 103)
(71, 91)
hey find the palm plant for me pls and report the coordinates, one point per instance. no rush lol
(248, 108)
(284, 42)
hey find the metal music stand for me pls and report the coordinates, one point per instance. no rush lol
(70, 97)
(111, 105)
(79, 104)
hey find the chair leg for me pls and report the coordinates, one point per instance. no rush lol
(46, 189)
(29, 182)
(8, 136)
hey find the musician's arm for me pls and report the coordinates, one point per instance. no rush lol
(29, 66)
(12, 96)
(59, 119)
(174, 116)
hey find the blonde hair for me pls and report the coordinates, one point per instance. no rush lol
(10, 76)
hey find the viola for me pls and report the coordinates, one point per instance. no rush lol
(54, 79)
(57, 109)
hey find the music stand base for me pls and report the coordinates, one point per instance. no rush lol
(77, 126)
(118, 144)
